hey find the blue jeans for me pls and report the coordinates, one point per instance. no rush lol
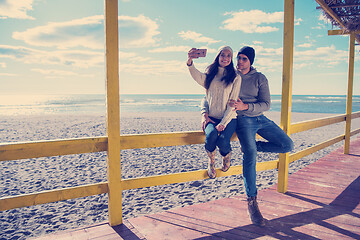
(213, 138)
(277, 141)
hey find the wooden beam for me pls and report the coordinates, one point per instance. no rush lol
(316, 123)
(341, 32)
(113, 111)
(190, 176)
(342, 6)
(27, 200)
(315, 148)
(349, 93)
(25, 150)
(288, 58)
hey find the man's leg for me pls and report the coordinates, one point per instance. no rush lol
(246, 131)
(277, 140)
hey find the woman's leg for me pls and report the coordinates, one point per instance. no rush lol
(211, 135)
(224, 145)
(223, 141)
(246, 131)
(277, 140)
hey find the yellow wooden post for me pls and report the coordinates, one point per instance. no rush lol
(349, 93)
(288, 49)
(113, 111)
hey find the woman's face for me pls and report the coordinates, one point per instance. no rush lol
(225, 58)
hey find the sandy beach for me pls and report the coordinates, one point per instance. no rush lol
(34, 175)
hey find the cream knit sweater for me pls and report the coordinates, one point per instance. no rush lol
(218, 94)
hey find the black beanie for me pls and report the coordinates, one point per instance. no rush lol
(249, 52)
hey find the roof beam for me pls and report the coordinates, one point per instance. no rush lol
(330, 12)
(349, 15)
(344, 5)
(327, 9)
(341, 32)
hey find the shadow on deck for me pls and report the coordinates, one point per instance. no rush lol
(322, 202)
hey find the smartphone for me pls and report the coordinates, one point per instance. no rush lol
(200, 52)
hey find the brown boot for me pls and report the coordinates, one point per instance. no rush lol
(211, 164)
(226, 162)
(254, 212)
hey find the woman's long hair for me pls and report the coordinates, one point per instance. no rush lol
(213, 69)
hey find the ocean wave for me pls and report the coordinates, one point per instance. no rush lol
(96, 103)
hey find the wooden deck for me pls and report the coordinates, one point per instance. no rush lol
(322, 202)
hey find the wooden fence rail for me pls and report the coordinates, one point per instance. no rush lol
(25, 150)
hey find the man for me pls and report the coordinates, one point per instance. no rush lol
(253, 101)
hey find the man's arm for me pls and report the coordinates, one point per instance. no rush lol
(263, 99)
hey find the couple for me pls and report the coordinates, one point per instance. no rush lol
(235, 101)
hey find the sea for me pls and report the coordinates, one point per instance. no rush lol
(96, 103)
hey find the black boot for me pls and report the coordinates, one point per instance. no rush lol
(254, 212)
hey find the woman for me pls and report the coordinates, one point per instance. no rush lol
(221, 84)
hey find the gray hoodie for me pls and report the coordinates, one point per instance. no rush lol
(254, 91)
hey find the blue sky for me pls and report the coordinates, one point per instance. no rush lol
(57, 46)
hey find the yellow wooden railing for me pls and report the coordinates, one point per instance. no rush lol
(113, 143)
(15, 151)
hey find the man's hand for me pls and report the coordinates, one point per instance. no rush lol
(239, 105)
(220, 127)
(205, 120)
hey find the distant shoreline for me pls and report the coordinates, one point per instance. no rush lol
(12, 105)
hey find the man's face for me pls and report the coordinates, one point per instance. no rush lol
(243, 63)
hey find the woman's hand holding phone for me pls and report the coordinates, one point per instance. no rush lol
(195, 53)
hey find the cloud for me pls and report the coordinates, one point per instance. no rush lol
(270, 59)
(261, 51)
(88, 32)
(75, 58)
(266, 64)
(54, 73)
(183, 49)
(15, 9)
(254, 21)
(297, 21)
(154, 67)
(134, 64)
(8, 74)
(2, 64)
(171, 49)
(137, 31)
(305, 45)
(323, 55)
(197, 37)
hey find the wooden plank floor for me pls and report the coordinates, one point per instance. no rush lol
(322, 202)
